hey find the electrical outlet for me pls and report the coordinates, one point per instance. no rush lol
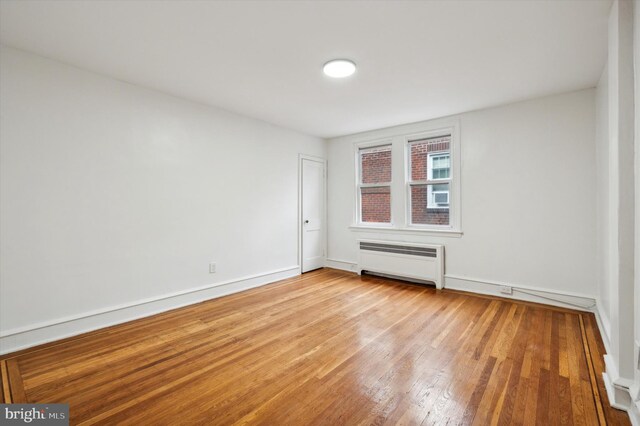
(505, 289)
(212, 268)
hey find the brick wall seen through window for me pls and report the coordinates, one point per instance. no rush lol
(429, 182)
(375, 184)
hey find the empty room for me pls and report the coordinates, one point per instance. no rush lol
(320, 212)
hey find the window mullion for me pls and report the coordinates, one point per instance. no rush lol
(373, 185)
(436, 182)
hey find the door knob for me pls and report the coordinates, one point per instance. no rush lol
(306, 221)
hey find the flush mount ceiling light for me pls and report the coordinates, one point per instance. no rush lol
(339, 68)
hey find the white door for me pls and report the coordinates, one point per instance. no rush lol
(313, 226)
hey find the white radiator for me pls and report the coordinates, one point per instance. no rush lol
(418, 261)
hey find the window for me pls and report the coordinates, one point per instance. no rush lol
(415, 193)
(439, 166)
(430, 180)
(374, 184)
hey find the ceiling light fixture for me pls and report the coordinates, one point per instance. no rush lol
(339, 68)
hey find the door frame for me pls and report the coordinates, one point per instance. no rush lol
(302, 157)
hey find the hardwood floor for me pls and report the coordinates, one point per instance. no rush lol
(328, 347)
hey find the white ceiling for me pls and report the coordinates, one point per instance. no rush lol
(416, 59)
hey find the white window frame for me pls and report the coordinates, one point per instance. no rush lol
(398, 137)
(359, 147)
(453, 180)
(432, 181)
(430, 157)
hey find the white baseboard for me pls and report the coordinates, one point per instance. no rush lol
(618, 397)
(623, 394)
(619, 391)
(36, 334)
(634, 414)
(521, 292)
(341, 264)
(481, 286)
(603, 325)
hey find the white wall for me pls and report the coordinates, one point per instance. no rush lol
(615, 121)
(602, 209)
(528, 197)
(636, 55)
(112, 194)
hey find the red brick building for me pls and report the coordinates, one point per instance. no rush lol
(375, 168)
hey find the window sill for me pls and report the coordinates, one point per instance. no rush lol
(410, 231)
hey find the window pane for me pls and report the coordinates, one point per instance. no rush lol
(375, 164)
(430, 204)
(376, 204)
(439, 166)
(440, 174)
(420, 150)
(441, 162)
